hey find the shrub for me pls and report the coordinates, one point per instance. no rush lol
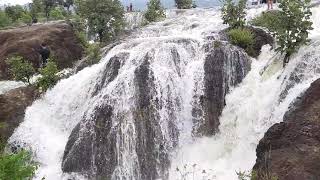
(4, 19)
(26, 18)
(15, 12)
(155, 11)
(20, 69)
(82, 37)
(49, 76)
(297, 23)
(241, 37)
(57, 13)
(184, 4)
(272, 20)
(93, 53)
(17, 166)
(234, 14)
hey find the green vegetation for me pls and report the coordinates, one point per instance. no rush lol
(272, 20)
(155, 11)
(241, 37)
(234, 14)
(15, 12)
(57, 13)
(104, 18)
(49, 76)
(296, 20)
(4, 19)
(253, 175)
(93, 53)
(184, 4)
(20, 68)
(16, 166)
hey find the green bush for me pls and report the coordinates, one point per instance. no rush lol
(272, 20)
(234, 14)
(297, 22)
(20, 68)
(93, 53)
(49, 76)
(184, 4)
(14, 12)
(16, 166)
(57, 13)
(26, 18)
(241, 37)
(155, 11)
(82, 37)
(4, 19)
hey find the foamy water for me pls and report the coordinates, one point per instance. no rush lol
(251, 108)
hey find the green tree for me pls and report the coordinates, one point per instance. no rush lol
(49, 76)
(105, 18)
(48, 5)
(297, 23)
(234, 14)
(36, 8)
(4, 19)
(184, 4)
(17, 166)
(57, 13)
(21, 69)
(155, 11)
(15, 12)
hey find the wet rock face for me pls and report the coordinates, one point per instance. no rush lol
(290, 150)
(12, 108)
(225, 67)
(23, 41)
(98, 145)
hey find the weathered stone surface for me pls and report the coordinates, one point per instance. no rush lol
(290, 150)
(98, 145)
(24, 41)
(12, 108)
(225, 67)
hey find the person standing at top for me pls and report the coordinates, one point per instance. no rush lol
(270, 4)
(131, 7)
(45, 54)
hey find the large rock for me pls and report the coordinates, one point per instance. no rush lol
(23, 41)
(12, 108)
(290, 150)
(225, 67)
(96, 147)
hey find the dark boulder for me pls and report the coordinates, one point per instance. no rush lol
(12, 109)
(290, 150)
(99, 145)
(225, 66)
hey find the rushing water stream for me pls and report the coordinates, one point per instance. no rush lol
(175, 54)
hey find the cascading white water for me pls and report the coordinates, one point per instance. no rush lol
(251, 108)
(6, 86)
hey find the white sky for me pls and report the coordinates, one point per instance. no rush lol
(13, 2)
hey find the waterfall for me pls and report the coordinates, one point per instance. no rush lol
(134, 114)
